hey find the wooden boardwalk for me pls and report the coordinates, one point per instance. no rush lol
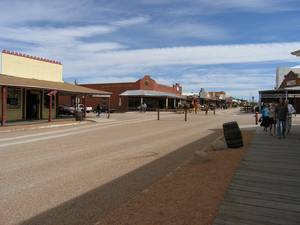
(266, 186)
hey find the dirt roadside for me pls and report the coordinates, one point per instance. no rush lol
(190, 195)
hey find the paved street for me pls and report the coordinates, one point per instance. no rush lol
(43, 168)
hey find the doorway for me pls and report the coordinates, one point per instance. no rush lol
(32, 105)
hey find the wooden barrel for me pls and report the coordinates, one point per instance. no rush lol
(233, 135)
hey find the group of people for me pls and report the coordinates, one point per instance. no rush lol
(143, 107)
(277, 118)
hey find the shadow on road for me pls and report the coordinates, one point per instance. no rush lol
(88, 208)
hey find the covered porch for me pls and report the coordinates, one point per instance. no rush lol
(132, 99)
(23, 99)
(290, 93)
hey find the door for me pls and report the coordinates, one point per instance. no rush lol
(32, 106)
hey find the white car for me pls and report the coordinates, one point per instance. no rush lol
(88, 109)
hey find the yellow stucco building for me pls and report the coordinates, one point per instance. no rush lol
(30, 84)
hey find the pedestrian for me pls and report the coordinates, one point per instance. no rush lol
(144, 107)
(98, 110)
(281, 113)
(291, 111)
(265, 116)
(140, 108)
(272, 120)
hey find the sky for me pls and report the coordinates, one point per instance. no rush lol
(230, 45)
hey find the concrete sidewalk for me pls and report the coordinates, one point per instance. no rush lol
(266, 186)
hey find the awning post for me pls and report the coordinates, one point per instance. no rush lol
(108, 108)
(142, 100)
(50, 109)
(84, 106)
(167, 103)
(55, 109)
(4, 105)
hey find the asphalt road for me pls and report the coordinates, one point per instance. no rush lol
(49, 176)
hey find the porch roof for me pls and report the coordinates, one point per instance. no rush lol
(149, 93)
(13, 81)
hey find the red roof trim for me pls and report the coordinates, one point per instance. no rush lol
(31, 57)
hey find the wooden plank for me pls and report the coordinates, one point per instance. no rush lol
(263, 195)
(263, 215)
(273, 204)
(260, 189)
(267, 180)
(266, 187)
(267, 177)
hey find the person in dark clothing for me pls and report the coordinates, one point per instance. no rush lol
(281, 113)
(98, 110)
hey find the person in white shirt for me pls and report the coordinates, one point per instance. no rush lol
(291, 111)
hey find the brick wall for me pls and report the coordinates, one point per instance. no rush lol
(146, 83)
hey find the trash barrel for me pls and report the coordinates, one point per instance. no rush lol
(233, 135)
(78, 115)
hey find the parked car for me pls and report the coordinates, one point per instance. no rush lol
(66, 110)
(88, 109)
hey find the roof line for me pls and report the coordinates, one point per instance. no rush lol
(31, 57)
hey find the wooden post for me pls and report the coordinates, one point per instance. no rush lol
(42, 104)
(167, 103)
(4, 105)
(24, 103)
(54, 110)
(157, 113)
(50, 109)
(108, 108)
(185, 114)
(84, 106)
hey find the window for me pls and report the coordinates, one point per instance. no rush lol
(14, 98)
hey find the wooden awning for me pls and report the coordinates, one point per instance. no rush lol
(12, 81)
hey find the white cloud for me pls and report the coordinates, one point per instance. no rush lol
(52, 35)
(240, 83)
(216, 6)
(99, 47)
(132, 21)
(196, 55)
(193, 30)
(15, 11)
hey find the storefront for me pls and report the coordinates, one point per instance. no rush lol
(129, 95)
(290, 93)
(289, 89)
(31, 88)
(133, 99)
(31, 99)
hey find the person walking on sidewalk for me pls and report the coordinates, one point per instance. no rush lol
(281, 113)
(265, 115)
(272, 121)
(291, 111)
(98, 110)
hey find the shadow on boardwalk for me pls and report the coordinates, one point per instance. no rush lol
(266, 186)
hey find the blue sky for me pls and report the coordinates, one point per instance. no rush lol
(231, 45)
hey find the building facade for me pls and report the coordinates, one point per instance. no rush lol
(129, 96)
(289, 89)
(31, 87)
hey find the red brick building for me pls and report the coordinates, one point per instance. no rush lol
(130, 95)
